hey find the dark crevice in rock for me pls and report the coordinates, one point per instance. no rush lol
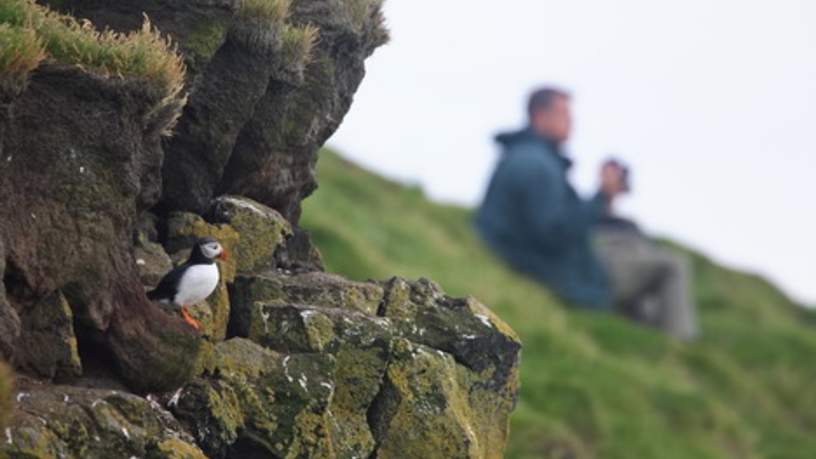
(16, 286)
(97, 359)
(247, 448)
(380, 412)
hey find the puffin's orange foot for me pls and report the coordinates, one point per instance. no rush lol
(189, 319)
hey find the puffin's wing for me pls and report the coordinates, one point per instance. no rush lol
(168, 286)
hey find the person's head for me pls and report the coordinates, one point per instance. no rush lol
(549, 114)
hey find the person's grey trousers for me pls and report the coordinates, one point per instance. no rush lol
(650, 284)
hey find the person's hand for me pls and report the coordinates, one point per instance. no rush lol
(612, 179)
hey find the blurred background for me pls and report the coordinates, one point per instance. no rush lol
(711, 103)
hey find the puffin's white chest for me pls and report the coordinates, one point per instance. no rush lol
(197, 283)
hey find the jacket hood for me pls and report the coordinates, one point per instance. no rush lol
(509, 140)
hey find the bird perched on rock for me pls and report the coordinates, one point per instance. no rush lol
(193, 281)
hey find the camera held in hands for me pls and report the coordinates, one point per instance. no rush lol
(624, 168)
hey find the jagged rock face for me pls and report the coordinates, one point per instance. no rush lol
(275, 153)
(257, 113)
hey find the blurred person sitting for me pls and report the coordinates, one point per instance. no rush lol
(650, 284)
(533, 218)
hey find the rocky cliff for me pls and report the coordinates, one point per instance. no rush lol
(117, 150)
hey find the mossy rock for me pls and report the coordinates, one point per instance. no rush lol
(318, 289)
(175, 449)
(261, 228)
(422, 411)
(462, 327)
(255, 402)
(292, 314)
(48, 345)
(72, 422)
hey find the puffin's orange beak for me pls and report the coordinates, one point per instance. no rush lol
(224, 255)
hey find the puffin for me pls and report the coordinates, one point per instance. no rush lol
(192, 282)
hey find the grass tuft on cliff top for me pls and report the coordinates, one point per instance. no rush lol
(367, 16)
(299, 42)
(32, 33)
(594, 386)
(272, 11)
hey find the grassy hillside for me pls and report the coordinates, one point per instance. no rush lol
(595, 385)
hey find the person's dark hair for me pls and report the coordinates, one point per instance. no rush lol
(543, 98)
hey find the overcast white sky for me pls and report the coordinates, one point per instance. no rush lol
(712, 102)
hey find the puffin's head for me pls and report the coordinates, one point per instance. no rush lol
(212, 249)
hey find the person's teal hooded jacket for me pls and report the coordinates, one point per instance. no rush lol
(533, 218)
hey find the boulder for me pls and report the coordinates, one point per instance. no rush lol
(257, 403)
(416, 355)
(65, 421)
(48, 346)
(262, 231)
(310, 288)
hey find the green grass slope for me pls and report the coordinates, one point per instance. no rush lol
(595, 386)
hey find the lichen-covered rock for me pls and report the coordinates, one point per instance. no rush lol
(423, 409)
(313, 288)
(48, 346)
(262, 231)
(64, 421)
(467, 375)
(464, 328)
(256, 403)
(360, 344)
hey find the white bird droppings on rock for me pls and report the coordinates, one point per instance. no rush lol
(286, 369)
(175, 398)
(140, 262)
(485, 320)
(22, 395)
